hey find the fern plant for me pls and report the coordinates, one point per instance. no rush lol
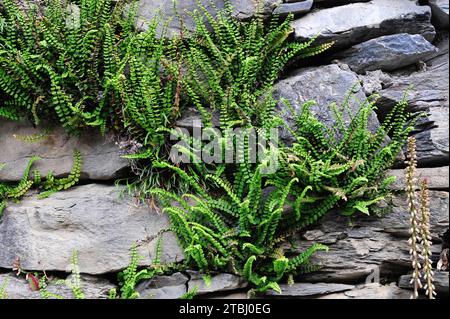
(57, 60)
(47, 186)
(132, 275)
(232, 68)
(238, 231)
(342, 166)
(74, 283)
(3, 292)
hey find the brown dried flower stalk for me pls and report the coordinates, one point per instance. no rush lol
(428, 274)
(415, 230)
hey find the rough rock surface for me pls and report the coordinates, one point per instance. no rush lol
(427, 91)
(19, 288)
(437, 177)
(219, 282)
(92, 288)
(441, 283)
(358, 22)
(101, 157)
(294, 7)
(387, 53)
(91, 220)
(440, 9)
(369, 245)
(307, 290)
(324, 85)
(163, 287)
(330, 3)
(372, 291)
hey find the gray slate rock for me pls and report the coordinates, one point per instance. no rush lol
(163, 287)
(307, 290)
(358, 22)
(372, 291)
(387, 53)
(92, 287)
(441, 283)
(437, 177)
(330, 3)
(219, 283)
(427, 91)
(374, 81)
(294, 8)
(101, 157)
(369, 245)
(324, 85)
(91, 220)
(440, 9)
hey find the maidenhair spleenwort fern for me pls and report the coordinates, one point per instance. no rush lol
(342, 166)
(47, 186)
(239, 222)
(238, 233)
(3, 286)
(232, 65)
(133, 274)
(58, 61)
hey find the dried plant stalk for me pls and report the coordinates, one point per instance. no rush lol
(428, 274)
(415, 223)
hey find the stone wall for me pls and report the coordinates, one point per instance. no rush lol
(387, 45)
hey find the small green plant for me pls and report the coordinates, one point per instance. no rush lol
(74, 283)
(235, 231)
(48, 186)
(3, 286)
(342, 166)
(190, 294)
(57, 63)
(232, 65)
(131, 276)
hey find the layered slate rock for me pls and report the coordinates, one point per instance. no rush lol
(92, 287)
(92, 220)
(440, 10)
(100, 155)
(370, 246)
(358, 22)
(163, 287)
(372, 291)
(308, 290)
(437, 177)
(324, 85)
(294, 7)
(149, 9)
(330, 3)
(427, 90)
(217, 283)
(387, 53)
(441, 283)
